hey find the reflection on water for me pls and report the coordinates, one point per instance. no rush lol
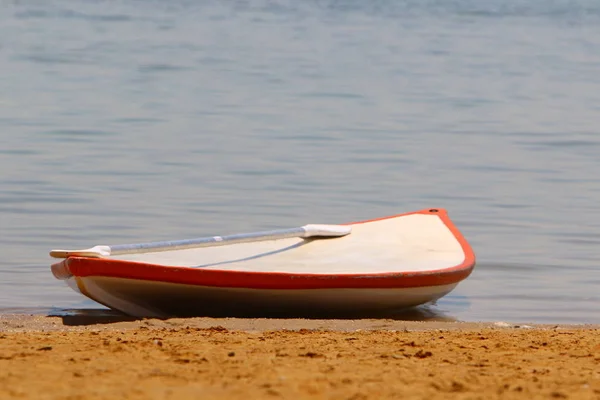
(121, 123)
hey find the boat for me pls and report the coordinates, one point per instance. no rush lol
(365, 268)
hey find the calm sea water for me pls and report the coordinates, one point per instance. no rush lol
(133, 120)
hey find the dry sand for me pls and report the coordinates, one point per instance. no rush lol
(119, 358)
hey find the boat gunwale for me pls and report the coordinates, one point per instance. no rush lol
(82, 267)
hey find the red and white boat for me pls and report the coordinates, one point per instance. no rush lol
(362, 268)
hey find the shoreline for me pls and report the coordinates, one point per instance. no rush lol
(107, 320)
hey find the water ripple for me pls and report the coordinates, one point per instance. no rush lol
(59, 13)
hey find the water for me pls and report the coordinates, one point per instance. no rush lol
(154, 120)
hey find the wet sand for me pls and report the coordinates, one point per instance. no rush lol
(109, 357)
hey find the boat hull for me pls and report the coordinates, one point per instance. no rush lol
(142, 298)
(384, 266)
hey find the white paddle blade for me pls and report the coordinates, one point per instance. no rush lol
(326, 230)
(94, 252)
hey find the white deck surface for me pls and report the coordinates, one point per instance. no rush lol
(415, 242)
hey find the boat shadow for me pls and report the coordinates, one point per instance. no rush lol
(84, 317)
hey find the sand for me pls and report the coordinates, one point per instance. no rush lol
(119, 358)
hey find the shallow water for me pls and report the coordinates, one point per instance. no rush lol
(138, 121)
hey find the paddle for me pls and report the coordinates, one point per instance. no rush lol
(306, 231)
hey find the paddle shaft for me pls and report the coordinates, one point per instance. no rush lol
(306, 231)
(207, 241)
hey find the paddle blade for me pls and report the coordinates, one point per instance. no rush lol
(326, 230)
(95, 252)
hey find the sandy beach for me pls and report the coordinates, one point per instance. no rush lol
(73, 357)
